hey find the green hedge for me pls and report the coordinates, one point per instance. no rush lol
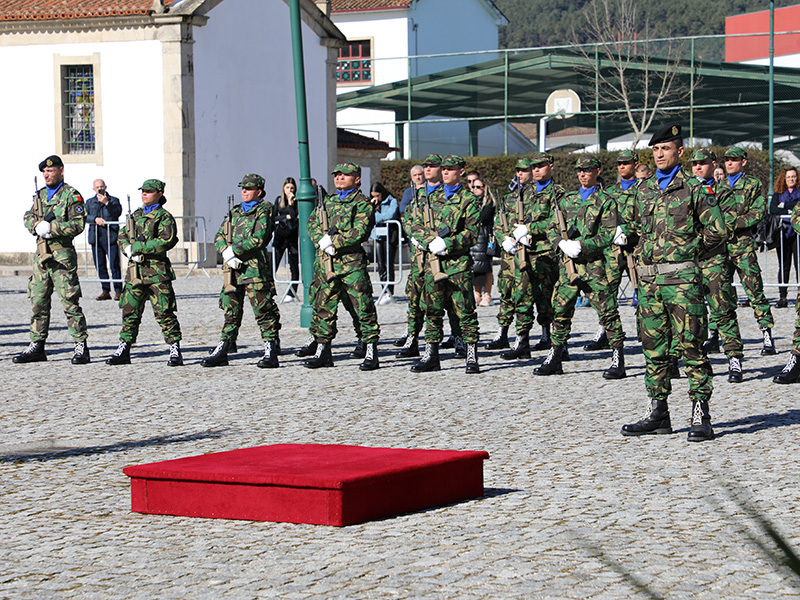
(499, 170)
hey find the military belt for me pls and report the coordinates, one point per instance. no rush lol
(57, 245)
(665, 268)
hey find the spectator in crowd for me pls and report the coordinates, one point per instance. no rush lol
(472, 177)
(102, 209)
(643, 172)
(417, 181)
(483, 250)
(785, 198)
(383, 235)
(719, 174)
(286, 237)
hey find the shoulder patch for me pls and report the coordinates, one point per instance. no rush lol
(79, 209)
(711, 197)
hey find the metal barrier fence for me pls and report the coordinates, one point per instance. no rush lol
(398, 258)
(289, 282)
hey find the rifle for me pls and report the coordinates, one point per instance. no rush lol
(42, 248)
(327, 259)
(521, 250)
(134, 274)
(435, 261)
(569, 263)
(228, 274)
(419, 255)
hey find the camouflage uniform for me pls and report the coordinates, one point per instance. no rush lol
(66, 213)
(616, 263)
(152, 236)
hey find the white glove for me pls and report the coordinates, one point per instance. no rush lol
(228, 254)
(416, 244)
(438, 246)
(330, 250)
(43, 229)
(325, 242)
(128, 252)
(234, 263)
(510, 245)
(520, 233)
(571, 248)
(620, 239)
(137, 258)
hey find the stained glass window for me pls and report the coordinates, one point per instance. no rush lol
(355, 63)
(78, 109)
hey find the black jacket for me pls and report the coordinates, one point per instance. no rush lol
(109, 212)
(481, 256)
(286, 225)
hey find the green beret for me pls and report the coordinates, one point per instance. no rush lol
(539, 158)
(153, 185)
(587, 161)
(670, 133)
(702, 154)
(347, 169)
(453, 160)
(433, 159)
(523, 164)
(51, 161)
(735, 152)
(627, 156)
(252, 181)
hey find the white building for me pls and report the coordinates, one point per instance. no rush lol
(195, 93)
(382, 34)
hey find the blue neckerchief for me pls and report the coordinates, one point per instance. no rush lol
(665, 178)
(345, 193)
(450, 190)
(586, 192)
(247, 206)
(732, 179)
(51, 191)
(431, 188)
(540, 185)
(627, 183)
(151, 208)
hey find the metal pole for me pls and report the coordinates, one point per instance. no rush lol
(505, 103)
(305, 191)
(771, 92)
(597, 96)
(691, 98)
(407, 139)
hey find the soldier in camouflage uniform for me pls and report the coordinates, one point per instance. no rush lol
(749, 209)
(715, 269)
(590, 216)
(791, 372)
(55, 265)
(149, 275)
(350, 220)
(676, 218)
(245, 255)
(446, 239)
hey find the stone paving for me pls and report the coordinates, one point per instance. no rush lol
(572, 509)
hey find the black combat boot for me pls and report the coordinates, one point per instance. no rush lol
(700, 431)
(233, 348)
(410, 349)
(175, 356)
(360, 351)
(33, 353)
(790, 373)
(218, 356)
(401, 341)
(551, 364)
(544, 342)
(617, 368)
(270, 358)
(308, 349)
(711, 345)
(500, 341)
(768, 349)
(429, 360)
(674, 369)
(472, 358)
(80, 355)
(121, 356)
(370, 357)
(460, 347)
(782, 302)
(600, 341)
(565, 354)
(734, 370)
(448, 343)
(521, 349)
(276, 347)
(654, 422)
(322, 358)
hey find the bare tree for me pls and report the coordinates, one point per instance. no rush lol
(640, 75)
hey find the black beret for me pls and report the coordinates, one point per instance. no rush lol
(50, 161)
(670, 133)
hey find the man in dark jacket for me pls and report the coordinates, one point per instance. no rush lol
(100, 210)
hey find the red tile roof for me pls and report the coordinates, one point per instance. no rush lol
(35, 10)
(364, 5)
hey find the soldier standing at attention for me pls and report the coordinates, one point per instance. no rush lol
(447, 239)
(676, 218)
(252, 224)
(61, 215)
(715, 267)
(590, 217)
(350, 220)
(146, 244)
(791, 372)
(749, 209)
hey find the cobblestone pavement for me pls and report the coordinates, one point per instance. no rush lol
(572, 509)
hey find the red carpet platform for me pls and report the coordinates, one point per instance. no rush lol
(306, 483)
